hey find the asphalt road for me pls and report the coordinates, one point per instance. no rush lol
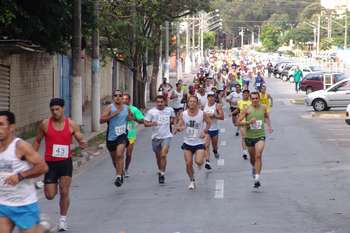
(305, 184)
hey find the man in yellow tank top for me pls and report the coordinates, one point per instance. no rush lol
(243, 104)
(266, 98)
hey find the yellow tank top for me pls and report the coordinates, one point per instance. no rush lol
(264, 100)
(242, 104)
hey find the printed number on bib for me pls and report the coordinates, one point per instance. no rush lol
(258, 125)
(60, 151)
(3, 186)
(119, 130)
(192, 132)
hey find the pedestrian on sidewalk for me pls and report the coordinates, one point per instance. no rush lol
(298, 75)
(58, 132)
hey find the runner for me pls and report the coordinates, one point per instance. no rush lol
(242, 104)
(215, 112)
(196, 123)
(58, 131)
(176, 100)
(233, 99)
(160, 118)
(165, 88)
(254, 118)
(19, 163)
(132, 131)
(259, 81)
(202, 97)
(116, 115)
(266, 98)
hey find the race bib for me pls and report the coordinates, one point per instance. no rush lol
(164, 120)
(3, 186)
(258, 84)
(258, 125)
(192, 132)
(120, 130)
(60, 151)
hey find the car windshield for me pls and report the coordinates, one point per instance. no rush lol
(343, 86)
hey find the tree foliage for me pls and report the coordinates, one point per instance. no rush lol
(209, 40)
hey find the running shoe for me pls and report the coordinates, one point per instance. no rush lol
(245, 157)
(118, 181)
(217, 155)
(237, 133)
(161, 179)
(126, 174)
(192, 185)
(257, 184)
(207, 165)
(62, 225)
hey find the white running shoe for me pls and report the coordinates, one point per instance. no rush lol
(192, 185)
(126, 174)
(62, 225)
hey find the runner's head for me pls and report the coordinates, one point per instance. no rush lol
(164, 80)
(178, 86)
(211, 97)
(57, 108)
(160, 102)
(246, 94)
(7, 124)
(238, 88)
(192, 102)
(118, 97)
(263, 89)
(255, 98)
(126, 98)
(201, 89)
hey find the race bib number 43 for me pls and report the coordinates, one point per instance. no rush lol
(60, 151)
(258, 125)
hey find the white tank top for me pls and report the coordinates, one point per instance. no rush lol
(194, 128)
(212, 110)
(24, 192)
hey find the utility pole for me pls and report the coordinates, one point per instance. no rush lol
(329, 26)
(95, 68)
(199, 38)
(160, 72)
(346, 31)
(178, 58)
(242, 36)
(193, 43)
(318, 34)
(202, 37)
(253, 37)
(188, 64)
(77, 102)
(167, 62)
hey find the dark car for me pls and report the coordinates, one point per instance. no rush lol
(279, 68)
(284, 75)
(314, 81)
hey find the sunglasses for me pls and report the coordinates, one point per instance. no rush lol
(255, 98)
(118, 95)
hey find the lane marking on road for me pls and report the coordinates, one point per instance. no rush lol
(337, 140)
(223, 143)
(221, 162)
(219, 189)
(223, 130)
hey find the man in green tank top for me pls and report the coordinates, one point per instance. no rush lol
(254, 118)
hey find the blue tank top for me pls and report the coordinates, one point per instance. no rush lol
(117, 126)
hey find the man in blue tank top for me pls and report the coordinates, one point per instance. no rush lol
(117, 115)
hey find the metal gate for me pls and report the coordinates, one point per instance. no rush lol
(64, 63)
(4, 87)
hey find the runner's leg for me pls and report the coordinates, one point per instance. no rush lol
(120, 159)
(199, 157)
(64, 187)
(128, 158)
(6, 226)
(50, 191)
(259, 148)
(189, 163)
(163, 158)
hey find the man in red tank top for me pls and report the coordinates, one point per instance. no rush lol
(58, 132)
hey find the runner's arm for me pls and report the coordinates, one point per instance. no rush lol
(207, 120)
(181, 124)
(220, 115)
(40, 133)
(27, 153)
(242, 117)
(147, 121)
(268, 121)
(106, 115)
(271, 100)
(78, 135)
(131, 116)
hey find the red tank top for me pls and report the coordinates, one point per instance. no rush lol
(57, 143)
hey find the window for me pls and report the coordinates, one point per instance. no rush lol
(338, 77)
(344, 86)
(314, 77)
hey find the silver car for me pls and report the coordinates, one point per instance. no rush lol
(347, 119)
(338, 95)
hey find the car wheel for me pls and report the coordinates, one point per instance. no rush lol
(284, 78)
(308, 90)
(291, 79)
(319, 105)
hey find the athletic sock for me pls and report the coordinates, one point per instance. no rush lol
(257, 177)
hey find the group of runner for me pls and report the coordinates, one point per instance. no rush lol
(195, 111)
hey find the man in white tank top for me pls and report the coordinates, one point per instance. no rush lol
(19, 162)
(196, 124)
(215, 112)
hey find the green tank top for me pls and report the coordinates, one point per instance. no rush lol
(256, 130)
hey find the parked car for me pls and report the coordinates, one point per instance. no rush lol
(306, 70)
(338, 95)
(347, 119)
(285, 72)
(314, 81)
(279, 68)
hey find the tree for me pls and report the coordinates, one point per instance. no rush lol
(209, 40)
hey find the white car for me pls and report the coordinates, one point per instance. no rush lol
(338, 95)
(347, 119)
